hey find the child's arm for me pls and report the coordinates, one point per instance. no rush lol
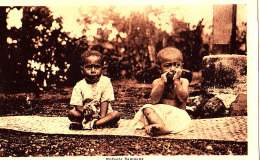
(157, 90)
(103, 109)
(181, 87)
(77, 99)
(107, 118)
(79, 108)
(106, 97)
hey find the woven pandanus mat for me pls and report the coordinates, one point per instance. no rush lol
(226, 128)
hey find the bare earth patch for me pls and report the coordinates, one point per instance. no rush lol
(130, 97)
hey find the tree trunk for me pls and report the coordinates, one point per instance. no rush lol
(3, 45)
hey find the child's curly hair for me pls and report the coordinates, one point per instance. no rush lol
(88, 53)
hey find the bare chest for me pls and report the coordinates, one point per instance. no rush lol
(170, 98)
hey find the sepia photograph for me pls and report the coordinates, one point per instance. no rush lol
(126, 82)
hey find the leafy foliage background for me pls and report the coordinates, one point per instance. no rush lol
(131, 54)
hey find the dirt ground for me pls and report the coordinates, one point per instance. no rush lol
(130, 96)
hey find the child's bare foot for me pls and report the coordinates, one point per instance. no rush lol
(153, 129)
(148, 130)
(75, 126)
(156, 129)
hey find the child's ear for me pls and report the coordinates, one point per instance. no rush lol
(81, 69)
(159, 68)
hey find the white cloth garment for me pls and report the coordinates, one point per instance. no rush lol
(175, 119)
(92, 95)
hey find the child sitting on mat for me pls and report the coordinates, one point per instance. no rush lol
(92, 95)
(169, 95)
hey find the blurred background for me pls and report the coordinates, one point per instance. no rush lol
(40, 46)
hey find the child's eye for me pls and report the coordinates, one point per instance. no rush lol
(167, 65)
(87, 66)
(97, 66)
(90, 66)
(177, 64)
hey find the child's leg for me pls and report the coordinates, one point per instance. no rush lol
(75, 116)
(156, 125)
(152, 117)
(111, 118)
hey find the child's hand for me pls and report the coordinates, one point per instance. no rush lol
(171, 76)
(88, 113)
(164, 77)
(177, 74)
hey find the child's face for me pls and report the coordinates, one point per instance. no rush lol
(171, 64)
(92, 68)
